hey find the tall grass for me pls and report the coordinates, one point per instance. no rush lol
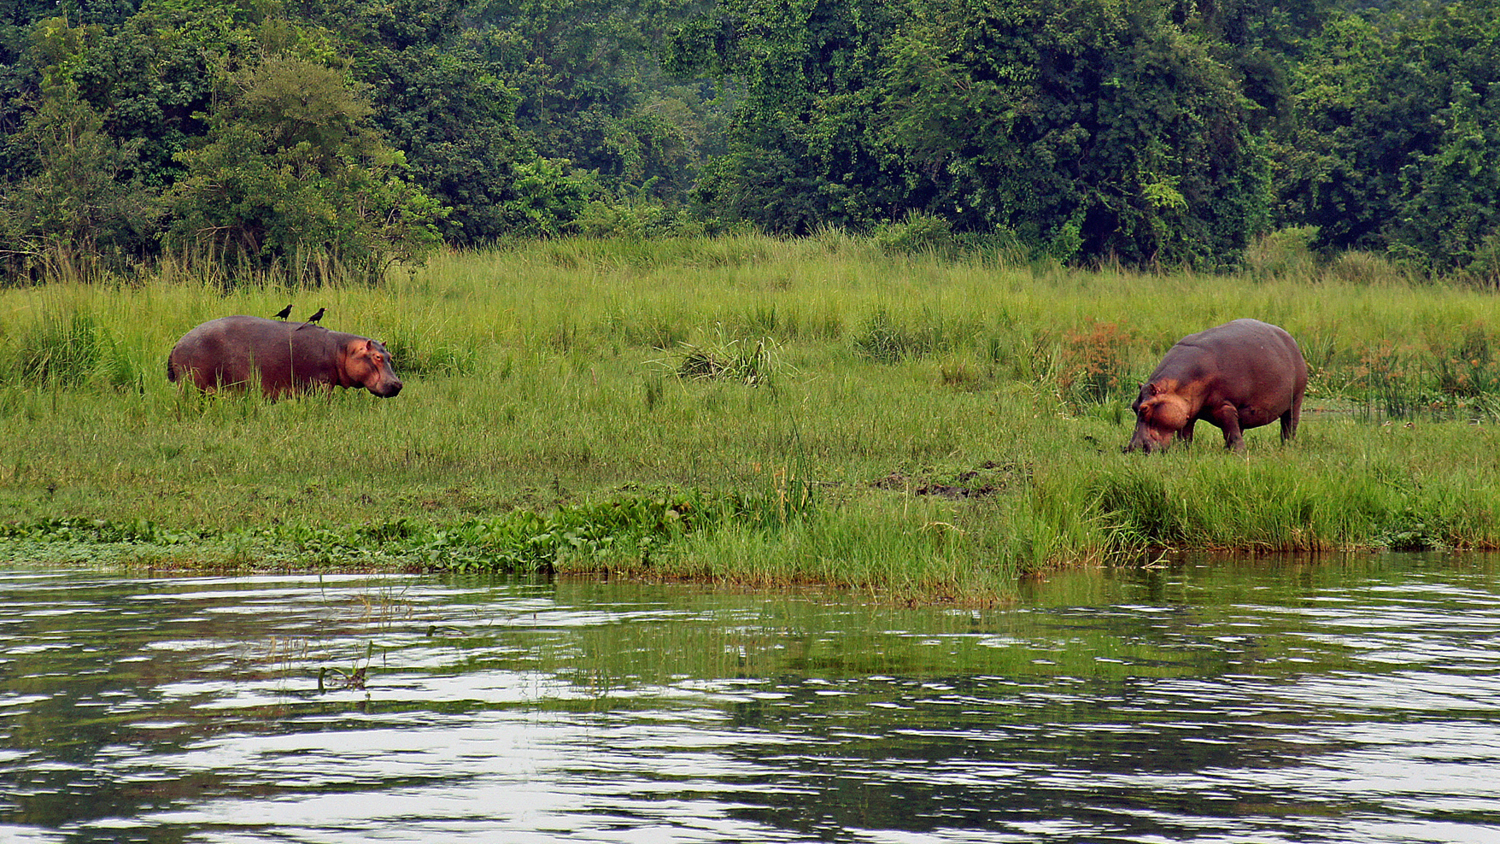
(888, 421)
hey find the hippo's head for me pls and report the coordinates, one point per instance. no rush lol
(367, 364)
(1160, 414)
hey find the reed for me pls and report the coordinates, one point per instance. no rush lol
(836, 412)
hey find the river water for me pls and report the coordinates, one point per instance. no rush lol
(1351, 699)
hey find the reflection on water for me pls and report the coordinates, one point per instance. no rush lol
(1354, 699)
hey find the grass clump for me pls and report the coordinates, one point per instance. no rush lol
(752, 364)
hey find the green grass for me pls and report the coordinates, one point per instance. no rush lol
(814, 411)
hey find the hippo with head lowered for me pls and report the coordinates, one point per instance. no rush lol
(237, 351)
(1237, 376)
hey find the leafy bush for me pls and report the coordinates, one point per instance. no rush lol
(638, 220)
(916, 233)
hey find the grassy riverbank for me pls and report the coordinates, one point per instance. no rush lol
(750, 410)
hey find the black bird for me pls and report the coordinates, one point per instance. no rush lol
(284, 312)
(317, 316)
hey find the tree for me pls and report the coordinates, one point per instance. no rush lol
(20, 77)
(152, 77)
(591, 90)
(1092, 129)
(293, 177)
(448, 104)
(803, 149)
(1394, 145)
(83, 209)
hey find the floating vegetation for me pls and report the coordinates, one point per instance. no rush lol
(333, 679)
(517, 542)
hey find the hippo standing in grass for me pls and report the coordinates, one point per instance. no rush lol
(1237, 376)
(237, 351)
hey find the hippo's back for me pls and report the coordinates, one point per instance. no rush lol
(239, 350)
(1247, 360)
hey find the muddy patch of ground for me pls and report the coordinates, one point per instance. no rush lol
(989, 478)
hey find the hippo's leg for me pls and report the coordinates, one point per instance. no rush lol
(1227, 417)
(1290, 418)
(1186, 434)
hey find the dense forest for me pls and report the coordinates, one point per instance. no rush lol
(313, 139)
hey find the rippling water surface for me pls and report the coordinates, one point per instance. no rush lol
(1354, 699)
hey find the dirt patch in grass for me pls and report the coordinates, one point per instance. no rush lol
(990, 478)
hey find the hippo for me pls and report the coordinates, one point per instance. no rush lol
(1237, 376)
(234, 351)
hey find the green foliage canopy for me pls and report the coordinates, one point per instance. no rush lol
(1094, 129)
(293, 171)
(591, 90)
(84, 207)
(446, 104)
(1395, 145)
(1091, 129)
(346, 134)
(804, 149)
(217, 129)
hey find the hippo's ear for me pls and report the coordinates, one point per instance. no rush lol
(1151, 389)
